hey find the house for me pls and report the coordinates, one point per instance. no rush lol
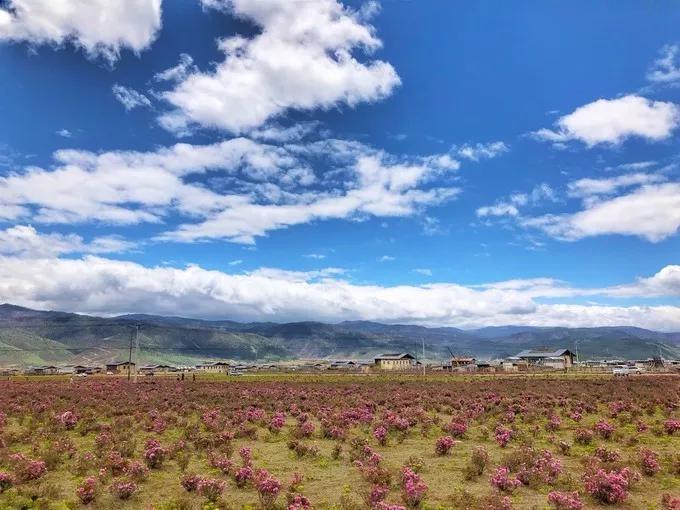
(558, 359)
(120, 367)
(513, 364)
(397, 361)
(215, 367)
(42, 370)
(461, 361)
(157, 369)
(84, 369)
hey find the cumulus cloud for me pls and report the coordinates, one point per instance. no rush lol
(99, 285)
(266, 188)
(612, 121)
(100, 27)
(651, 212)
(666, 68)
(129, 98)
(303, 58)
(26, 241)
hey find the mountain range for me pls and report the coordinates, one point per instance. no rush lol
(33, 337)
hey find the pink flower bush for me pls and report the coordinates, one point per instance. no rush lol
(606, 455)
(502, 481)
(604, 429)
(671, 426)
(554, 423)
(610, 487)
(154, 453)
(669, 502)
(583, 436)
(413, 489)
(6, 481)
(27, 469)
(444, 444)
(68, 419)
(380, 435)
(190, 482)
(299, 502)
(456, 428)
(123, 489)
(268, 488)
(277, 422)
(210, 488)
(649, 462)
(243, 475)
(565, 500)
(503, 435)
(87, 491)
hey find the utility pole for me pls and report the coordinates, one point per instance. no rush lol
(423, 340)
(130, 356)
(137, 328)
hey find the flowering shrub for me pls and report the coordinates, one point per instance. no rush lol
(6, 481)
(583, 436)
(123, 489)
(190, 482)
(610, 487)
(154, 453)
(538, 467)
(210, 488)
(413, 488)
(669, 502)
(671, 426)
(268, 488)
(299, 502)
(554, 423)
(649, 462)
(478, 462)
(444, 444)
(604, 429)
(68, 419)
(456, 428)
(87, 491)
(565, 500)
(503, 436)
(243, 475)
(376, 495)
(502, 481)
(277, 422)
(606, 455)
(380, 435)
(27, 469)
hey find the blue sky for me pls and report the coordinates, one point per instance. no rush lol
(437, 162)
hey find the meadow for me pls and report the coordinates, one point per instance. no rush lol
(385, 443)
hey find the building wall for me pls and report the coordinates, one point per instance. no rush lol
(394, 364)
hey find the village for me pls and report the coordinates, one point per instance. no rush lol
(526, 361)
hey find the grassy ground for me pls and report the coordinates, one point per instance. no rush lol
(335, 483)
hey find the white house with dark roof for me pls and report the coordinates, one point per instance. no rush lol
(395, 361)
(559, 358)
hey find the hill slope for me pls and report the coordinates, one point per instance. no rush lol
(37, 337)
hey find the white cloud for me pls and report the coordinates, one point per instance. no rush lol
(267, 187)
(583, 188)
(481, 150)
(98, 285)
(178, 73)
(26, 241)
(316, 256)
(301, 59)
(130, 98)
(666, 69)
(423, 271)
(100, 27)
(651, 212)
(65, 133)
(611, 121)
(664, 283)
(380, 188)
(236, 262)
(386, 258)
(510, 207)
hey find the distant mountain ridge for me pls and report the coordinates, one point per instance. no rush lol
(31, 337)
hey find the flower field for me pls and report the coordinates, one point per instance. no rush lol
(342, 442)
